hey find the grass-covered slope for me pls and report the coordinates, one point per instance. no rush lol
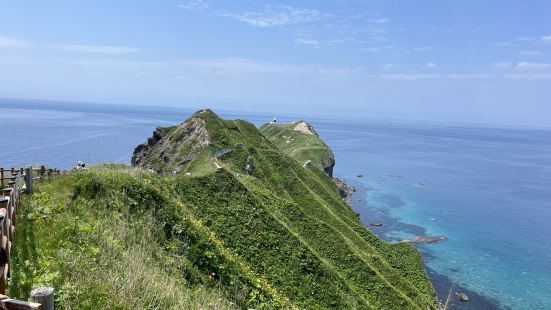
(214, 235)
(302, 142)
(109, 239)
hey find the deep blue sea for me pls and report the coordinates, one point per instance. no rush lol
(488, 190)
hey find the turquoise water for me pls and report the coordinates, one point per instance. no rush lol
(488, 190)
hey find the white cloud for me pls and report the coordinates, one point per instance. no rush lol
(424, 48)
(501, 65)
(378, 38)
(98, 49)
(533, 65)
(530, 77)
(238, 66)
(430, 65)
(527, 39)
(546, 39)
(276, 16)
(424, 76)
(11, 42)
(194, 68)
(502, 44)
(376, 49)
(310, 42)
(195, 5)
(530, 53)
(390, 66)
(371, 49)
(379, 20)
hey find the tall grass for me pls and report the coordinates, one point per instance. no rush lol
(97, 259)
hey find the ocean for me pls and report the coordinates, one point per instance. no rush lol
(488, 190)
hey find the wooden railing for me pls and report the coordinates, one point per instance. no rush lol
(8, 176)
(18, 181)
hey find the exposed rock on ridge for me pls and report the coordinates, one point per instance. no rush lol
(306, 128)
(170, 147)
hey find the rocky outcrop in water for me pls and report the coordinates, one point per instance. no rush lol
(345, 190)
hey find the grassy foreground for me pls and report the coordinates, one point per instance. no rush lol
(215, 238)
(99, 239)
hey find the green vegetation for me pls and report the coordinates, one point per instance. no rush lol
(99, 239)
(300, 141)
(212, 236)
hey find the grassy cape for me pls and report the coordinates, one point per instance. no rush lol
(300, 141)
(212, 236)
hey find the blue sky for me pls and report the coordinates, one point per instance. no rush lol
(470, 61)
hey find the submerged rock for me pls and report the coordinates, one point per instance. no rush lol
(425, 239)
(393, 176)
(462, 297)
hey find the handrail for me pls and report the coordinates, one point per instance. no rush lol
(19, 181)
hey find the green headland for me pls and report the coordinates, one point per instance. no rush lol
(301, 141)
(213, 214)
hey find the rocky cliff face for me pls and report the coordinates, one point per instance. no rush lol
(171, 147)
(328, 163)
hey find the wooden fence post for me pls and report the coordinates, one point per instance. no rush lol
(44, 296)
(29, 180)
(4, 248)
(42, 171)
(6, 229)
(11, 209)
